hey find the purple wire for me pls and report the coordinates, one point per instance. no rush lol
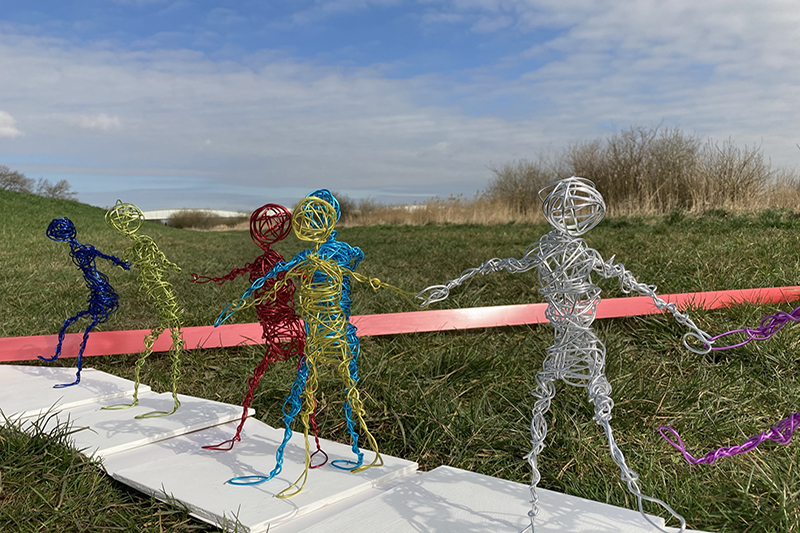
(781, 433)
(769, 326)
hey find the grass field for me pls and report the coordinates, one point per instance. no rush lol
(456, 398)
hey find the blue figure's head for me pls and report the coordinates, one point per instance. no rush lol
(61, 229)
(326, 195)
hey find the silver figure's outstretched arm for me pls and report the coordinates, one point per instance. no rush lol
(437, 293)
(628, 283)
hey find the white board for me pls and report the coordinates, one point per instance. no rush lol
(180, 469)
(27, 391)
(448, 499)
(113, 431)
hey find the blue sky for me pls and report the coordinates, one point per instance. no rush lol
(181, 103)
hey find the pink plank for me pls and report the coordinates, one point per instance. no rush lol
(132, 341)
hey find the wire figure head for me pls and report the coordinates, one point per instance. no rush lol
(572, 205)
(125, 218)
(61, 230)
(326, 195)
(269, 224)
(314, 219)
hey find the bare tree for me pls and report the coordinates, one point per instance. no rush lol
(14, 181)
(61, 189)
(11, 180)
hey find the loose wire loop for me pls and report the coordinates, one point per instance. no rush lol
(781, 433)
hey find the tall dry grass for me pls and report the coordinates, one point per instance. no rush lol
(639, 171)
(453, 210)
(201, 219)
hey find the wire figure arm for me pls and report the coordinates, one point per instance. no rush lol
(116, 260)
(169, 264)
(437, 293)
(288, 267)
(628, 283)
(230, 276)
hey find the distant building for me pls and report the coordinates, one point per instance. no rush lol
(162, 215)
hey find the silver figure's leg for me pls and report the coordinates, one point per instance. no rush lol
(600, 395)
(544, 393)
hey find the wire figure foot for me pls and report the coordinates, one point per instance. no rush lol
(247, 480)
(157, 414)
(64, 385)
(118, 406)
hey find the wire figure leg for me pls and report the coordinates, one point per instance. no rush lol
(67, 323)
(544, 393)
(600, 395)
(291, 408)
(252, 384)
(348, 371)
(308, 404)
(175, 358)
(149, 341)
(80, 356)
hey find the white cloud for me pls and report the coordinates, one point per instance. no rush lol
(221, 15)
(101, 121)
(720, 69)
(491, 24)
(8, 126)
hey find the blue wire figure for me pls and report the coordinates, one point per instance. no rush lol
(102, 299)
(324, 280)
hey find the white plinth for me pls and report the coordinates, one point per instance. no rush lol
(181, 470)
(447, 499)
(114, 431)
(27, 391)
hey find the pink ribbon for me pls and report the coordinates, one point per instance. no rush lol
(132, 341)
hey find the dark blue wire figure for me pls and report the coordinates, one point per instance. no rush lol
(102, 299)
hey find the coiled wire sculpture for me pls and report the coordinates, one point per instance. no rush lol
(152, 265)
(283, 331)
(781, 432)
(323, 274)
(564, 263)
(102, 299)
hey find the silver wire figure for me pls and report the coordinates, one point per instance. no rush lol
(565, 263)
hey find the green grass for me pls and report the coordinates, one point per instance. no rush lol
(48, 486)
(456, 398)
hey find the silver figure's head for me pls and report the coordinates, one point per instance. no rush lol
(572, 205)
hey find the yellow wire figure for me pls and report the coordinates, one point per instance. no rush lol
(152, 264)
(323, 276)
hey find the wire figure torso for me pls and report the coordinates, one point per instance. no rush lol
(152, 265)
(102, 298)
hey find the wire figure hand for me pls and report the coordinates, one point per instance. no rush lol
(433, 294)
(701, 336)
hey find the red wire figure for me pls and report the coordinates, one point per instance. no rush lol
(284, 332)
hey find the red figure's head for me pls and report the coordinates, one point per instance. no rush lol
(269, 224)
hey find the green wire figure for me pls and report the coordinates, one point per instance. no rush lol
(152, 264)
